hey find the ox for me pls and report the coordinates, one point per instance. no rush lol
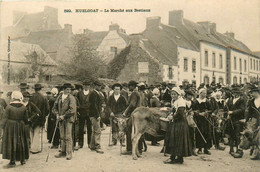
(144, 120)
(251, 138)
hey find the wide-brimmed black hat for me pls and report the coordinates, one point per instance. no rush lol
(23, 85)
(254, 89)
(189, 92)
(67, 85)
(38, 86)
(26, 94)
(133, 83)
(236, 89)
(1, 91)
(97, 83)
(87, 82)
(78, 86)
(117, 85)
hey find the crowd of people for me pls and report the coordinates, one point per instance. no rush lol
(198, 119)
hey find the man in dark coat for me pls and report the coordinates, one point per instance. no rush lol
(116, 106)
(133, 103)
(42, 103)
(165, 95)
(83, 109)
(95, 108)
(235, 110)
(65, 109)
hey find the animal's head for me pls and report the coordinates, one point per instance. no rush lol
(122, 124)
(247, 139)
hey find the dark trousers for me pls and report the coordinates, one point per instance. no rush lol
(234, 139)
(83, 119)
(50, 132)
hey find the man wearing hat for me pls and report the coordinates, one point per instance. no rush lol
(95, 108)
(42, 103)
(252, 115)
(124, 91)
(133, 103)
(235, 110)
(116, 105)
(65, 109)
(83, 109)
(23, 87)
(165, 95)
(34, 117)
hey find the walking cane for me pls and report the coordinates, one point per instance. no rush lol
(42, 139)
(200, 132)
(110, 133)
(52, 139)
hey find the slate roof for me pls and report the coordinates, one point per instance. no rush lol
(195, 33)
(95, 38)
(19, 51)
(257, 53)
(232, 42)
(49, 40)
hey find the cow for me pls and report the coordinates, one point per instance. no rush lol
(251, 138)
(146, 120)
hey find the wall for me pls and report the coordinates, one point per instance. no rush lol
(238, 73)
(112, 39)
(209, 70)
(130, 71)
(188, 75)
(254, 72)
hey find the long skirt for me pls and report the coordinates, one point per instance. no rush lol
(177, 140)
(15, 144)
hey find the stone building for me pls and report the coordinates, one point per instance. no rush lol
(108, 43)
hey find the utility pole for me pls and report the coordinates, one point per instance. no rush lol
(8, 65)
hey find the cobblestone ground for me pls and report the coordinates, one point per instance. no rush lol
(85, 160)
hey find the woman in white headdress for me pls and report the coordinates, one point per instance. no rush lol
(201, 107)
(15, 146)
(177, 140)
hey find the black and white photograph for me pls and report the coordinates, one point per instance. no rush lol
(129, 85)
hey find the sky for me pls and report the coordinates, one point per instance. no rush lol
(239, 16)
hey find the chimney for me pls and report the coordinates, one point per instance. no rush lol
(68, 28)
(114, 27)
(175, 17)
(205, 25)
(152, 22)
(17, 15)
(213, 27)
(230, 34)
(86, 31)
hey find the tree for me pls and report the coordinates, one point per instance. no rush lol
(85, 62)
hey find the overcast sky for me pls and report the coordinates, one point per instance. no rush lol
(239, 16)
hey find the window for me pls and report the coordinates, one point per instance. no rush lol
(185, 65)
(220, 61)
(213, 60)
(194, 83)
(206, 58)
(245, 65)
(240, 65)
(234, 80)
(143, 67)
(206, 80)
(245, 80)
(194, 66)
(251, 64)
(170, 72)
(235, 63)
(221, 80)
(254, 64)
